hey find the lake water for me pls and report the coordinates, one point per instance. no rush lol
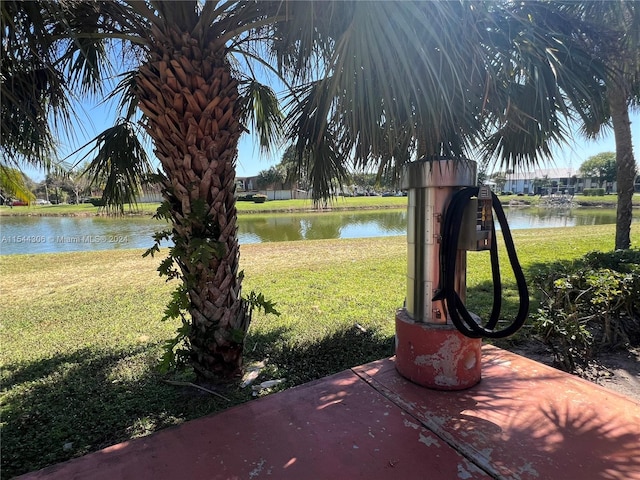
(66, 234)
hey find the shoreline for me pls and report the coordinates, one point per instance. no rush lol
(5, 213)
(511, 202)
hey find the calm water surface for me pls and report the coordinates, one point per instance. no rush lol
(67, 234)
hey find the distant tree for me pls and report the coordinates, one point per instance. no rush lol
(571, 182)
(536, 184)
(78, 183)
(544, 184)
(294, 170)
(500, 179)
(483, 166)
(601, 167)
(364, 179)
(271, 178)
(55, 184)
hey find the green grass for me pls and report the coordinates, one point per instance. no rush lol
(602, 200)
(611, 200)
(82, 332)
(339, 203)
(83, 209)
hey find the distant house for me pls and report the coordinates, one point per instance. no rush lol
(285, 191)
(554, 181)
(246, 184)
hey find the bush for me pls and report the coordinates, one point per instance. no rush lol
(259, 198)
(593, 192)
(246, 198)
(97, 202)
(588, 305)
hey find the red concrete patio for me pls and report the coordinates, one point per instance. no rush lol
(523, 421)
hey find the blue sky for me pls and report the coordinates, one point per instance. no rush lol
(93, 119)
(579, 149)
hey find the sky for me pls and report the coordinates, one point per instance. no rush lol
(580, 149)
(93, 119)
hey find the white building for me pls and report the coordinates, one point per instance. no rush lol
(553, 181)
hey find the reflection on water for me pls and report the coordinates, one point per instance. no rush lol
(72, 234)
(519, 218)
(317, 226)
(66, 234)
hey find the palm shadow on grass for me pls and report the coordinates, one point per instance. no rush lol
(301, 362)
(67, 405)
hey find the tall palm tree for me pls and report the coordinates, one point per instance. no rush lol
(615, 39)
(623, 91)
(370, 82)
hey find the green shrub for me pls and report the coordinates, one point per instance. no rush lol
(593, 192)
(97, 202)
(589, 304)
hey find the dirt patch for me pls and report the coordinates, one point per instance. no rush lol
(617, 370)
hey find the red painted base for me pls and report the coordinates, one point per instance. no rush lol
(436, 356)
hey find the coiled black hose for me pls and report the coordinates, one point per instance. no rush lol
(456, 310)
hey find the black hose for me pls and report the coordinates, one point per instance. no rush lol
(456, 310)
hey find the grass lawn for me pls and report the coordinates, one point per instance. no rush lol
(583, 200)
(82, 333)
(83, 209)
(339, 203)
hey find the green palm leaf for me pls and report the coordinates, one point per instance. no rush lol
(263, 114)
(12, 184)
(120, 164)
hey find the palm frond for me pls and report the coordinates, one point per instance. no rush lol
(12, 184)
(263, 114)
(31, 88)
(443, 78)
(125, 92)
(326, 167)
(119, 163)
(395, 75)
(84, 59)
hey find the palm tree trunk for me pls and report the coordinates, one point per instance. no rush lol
(190, 101)
(626, 166)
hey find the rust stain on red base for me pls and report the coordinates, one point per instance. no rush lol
(436, 356)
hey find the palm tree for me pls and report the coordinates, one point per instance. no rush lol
(615, 39)
(624, 90)
(376, 83)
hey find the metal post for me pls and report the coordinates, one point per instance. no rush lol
(430, 184)
(429, 350)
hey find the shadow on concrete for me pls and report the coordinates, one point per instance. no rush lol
(526, 420)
